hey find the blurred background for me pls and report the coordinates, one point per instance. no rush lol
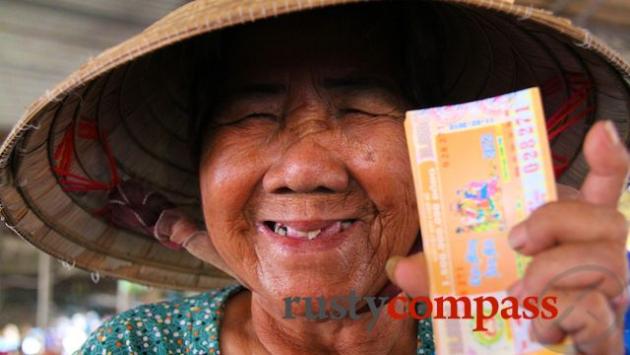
(47, 307)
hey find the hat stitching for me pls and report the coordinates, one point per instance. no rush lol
(252, 18)
(527, 14)
(587, 42)
(32, 126)
(67, 265)
(264, 11)
(20, 132)
(240, 14)
(12, 227)
(22, 181)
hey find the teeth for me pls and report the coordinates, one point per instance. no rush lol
(297, 233)
(303, 234)
(280, 229)
(283, 230)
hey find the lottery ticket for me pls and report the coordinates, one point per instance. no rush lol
(479, 168)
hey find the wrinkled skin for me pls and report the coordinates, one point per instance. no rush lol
(310, 127)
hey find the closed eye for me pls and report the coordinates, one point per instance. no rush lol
(261, 115)
(354, 111)
(250, 116)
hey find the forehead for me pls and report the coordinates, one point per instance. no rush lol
(332, 41)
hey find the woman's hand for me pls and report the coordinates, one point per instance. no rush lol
(179, 229)
(138, 208)
(578, 249)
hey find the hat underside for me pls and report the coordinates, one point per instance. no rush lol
(138, 114)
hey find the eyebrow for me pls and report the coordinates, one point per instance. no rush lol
(360, 83)
(348, 84)
(255, 90)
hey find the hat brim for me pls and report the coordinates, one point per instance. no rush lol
(506, 47)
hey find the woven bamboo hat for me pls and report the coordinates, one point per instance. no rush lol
(126, 114)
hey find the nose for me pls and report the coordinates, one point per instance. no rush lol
(307, 166)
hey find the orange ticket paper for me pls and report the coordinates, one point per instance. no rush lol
(479, 168)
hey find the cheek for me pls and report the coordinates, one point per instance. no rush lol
(229, 173)
(382, 168)
(230, 169)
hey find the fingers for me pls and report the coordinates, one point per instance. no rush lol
(174, 226)
(567, 193)
(568, 221)
(586, 316)
(409, 273)
(608, 160)
(577, 265)
(200, 245)
(183, 230)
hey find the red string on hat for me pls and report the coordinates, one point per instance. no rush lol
(130, 205)
(63, 157)
(569, 113)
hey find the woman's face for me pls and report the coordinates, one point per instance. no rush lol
(305, 179)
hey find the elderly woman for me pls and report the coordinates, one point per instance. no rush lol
(304, 181)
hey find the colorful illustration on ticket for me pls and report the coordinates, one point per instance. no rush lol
(478, 207)
(494, 332)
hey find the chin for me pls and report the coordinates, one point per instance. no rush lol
(328, 282)
(293, 296)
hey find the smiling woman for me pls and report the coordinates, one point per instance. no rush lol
(301, 188)
(292, 191)
(275, 152)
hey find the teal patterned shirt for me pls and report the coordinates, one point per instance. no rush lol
(186, 326)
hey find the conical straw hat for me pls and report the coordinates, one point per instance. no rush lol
(125, 114)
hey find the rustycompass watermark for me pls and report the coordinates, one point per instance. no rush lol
(481, 309)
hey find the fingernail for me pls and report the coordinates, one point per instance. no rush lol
(390, 267)
(518, 236)
(613, 135)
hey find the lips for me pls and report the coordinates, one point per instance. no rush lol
(308, 230)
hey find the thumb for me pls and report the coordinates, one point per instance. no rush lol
(409, 273)
(607, 158)
(568, 193)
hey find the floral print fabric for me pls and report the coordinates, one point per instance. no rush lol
(186, 326)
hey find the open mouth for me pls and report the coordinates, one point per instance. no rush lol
(323, 229)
